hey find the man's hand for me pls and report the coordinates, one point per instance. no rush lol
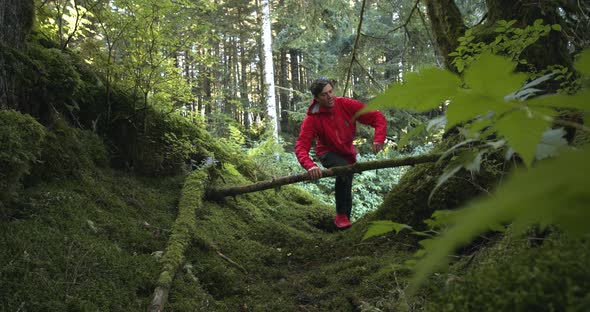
(377, 147)
(315, 173)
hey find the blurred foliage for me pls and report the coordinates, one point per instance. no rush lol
(489, 106)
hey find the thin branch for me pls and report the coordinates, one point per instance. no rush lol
(356, 41)
(427, 28)
(405, 24)
(369, 74)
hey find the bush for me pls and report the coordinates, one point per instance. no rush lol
(21, 138)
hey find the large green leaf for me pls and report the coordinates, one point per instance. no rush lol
(582, 63)
(468, 105)
(493, 76)
(554, 192)
(581, 101)
(421, 91)
(382, 227)
(523, 130)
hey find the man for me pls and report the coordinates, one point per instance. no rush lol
(330, 120)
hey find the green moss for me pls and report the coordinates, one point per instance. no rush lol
(85, 244)
(183, 227)
(515, 275)
(68, 153)
(409, 203)
(21, 138)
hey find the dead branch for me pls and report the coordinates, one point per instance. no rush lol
(220, 193)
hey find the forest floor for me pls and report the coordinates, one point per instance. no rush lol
(93, 244)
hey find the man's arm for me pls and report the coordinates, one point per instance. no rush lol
(306, 136)
(374, 119)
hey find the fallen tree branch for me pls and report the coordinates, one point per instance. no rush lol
(226, 258)
(182, 231)
(220, 193)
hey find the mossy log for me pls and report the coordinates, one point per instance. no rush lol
(182, 233)
(220, 193)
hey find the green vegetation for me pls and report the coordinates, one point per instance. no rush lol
(116, 116)
(21, 138)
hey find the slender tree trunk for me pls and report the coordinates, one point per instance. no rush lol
(269, 68)
(295, 83)
(244, 84)
(283, 92)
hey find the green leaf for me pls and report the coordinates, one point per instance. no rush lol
(554, 192)
(493, 76)
(383, 227)
(470, 160)
(421, 91)
(556, 27)
(473, 130)
(441, 218)
(413, 133)
(582, 63)
(581, 101)
(523, 131)
(468, 105)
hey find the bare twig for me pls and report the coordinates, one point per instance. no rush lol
(356, 41)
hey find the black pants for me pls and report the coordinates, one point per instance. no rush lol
(343, 185)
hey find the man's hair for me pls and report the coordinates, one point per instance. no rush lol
(318, 85)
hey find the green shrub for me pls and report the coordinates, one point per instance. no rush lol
(21, 138)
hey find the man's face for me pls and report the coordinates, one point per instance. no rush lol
(326, 97)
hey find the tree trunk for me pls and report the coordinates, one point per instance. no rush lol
(271, 105)
(447, 26)
(219, 193)
(16, 21)
(283, 92)
(295, 83)
(546, 51)
(244, 84)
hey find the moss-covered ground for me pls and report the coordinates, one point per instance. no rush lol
(77, 236)
(94, 244)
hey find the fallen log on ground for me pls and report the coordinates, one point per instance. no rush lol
(182, 232)
(220, 193)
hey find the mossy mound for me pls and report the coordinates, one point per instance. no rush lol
(85, 244)
(411, 202)
(524, 273)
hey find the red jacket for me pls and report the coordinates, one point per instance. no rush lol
(334, 129)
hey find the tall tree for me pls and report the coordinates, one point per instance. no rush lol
(269, 68)
(448, 25)
(16, 21)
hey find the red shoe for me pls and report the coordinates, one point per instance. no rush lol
(341, 221)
